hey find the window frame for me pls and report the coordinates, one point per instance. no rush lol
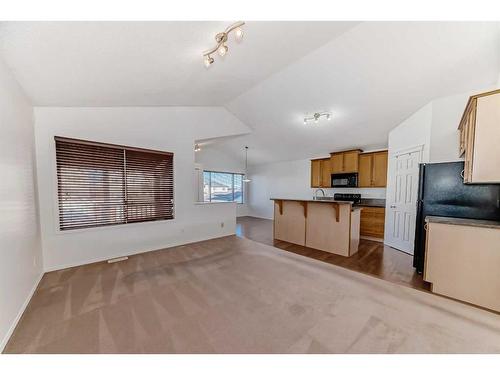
(232, 186)
(56, 203)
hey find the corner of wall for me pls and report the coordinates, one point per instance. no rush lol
(21, 264)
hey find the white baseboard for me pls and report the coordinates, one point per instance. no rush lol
(136, 252)
(6, 338)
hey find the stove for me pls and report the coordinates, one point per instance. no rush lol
(356, 198)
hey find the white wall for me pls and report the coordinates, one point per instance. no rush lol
(164, 128)
(213, 159)
(20, 250)
(435, 126)
(289, 179)
(414, 131)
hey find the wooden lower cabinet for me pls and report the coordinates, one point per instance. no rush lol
(372, 222)
(462, 262)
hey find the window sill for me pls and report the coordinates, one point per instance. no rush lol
(208, 203)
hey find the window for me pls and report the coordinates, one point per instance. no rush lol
(222, 187)
(100, 184)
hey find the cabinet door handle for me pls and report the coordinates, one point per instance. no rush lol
(426, 227)
(462, 173)
(393, 206)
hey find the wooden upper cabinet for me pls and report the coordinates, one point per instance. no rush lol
(316, 173)
(365, 170)
(351, 161)
(373, 169)
(326, 173)
(344, 162)
(320, 173)
(379, 174)
(480, 137)
(337, 163)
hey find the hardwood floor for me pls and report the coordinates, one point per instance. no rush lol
(373, 258)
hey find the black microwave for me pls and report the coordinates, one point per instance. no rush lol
(344, 180)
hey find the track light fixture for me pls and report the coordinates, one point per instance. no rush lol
(316, 117)
(221, 39)
(197, 147)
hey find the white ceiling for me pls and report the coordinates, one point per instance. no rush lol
(371, 78)
(371, 75)
(150, 63)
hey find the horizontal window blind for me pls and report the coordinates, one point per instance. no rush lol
(149, 185)
(101, 184)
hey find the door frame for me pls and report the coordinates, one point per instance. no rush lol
(391, 180)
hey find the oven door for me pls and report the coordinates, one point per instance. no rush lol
(345, 180)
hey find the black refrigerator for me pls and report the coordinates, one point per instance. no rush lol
(441, 192)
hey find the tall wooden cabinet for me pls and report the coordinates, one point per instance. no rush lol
(373, 169)
(480, 138)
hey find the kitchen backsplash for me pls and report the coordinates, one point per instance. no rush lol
(376, 193)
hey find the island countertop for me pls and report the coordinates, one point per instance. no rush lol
(327, 225)
(312, 200)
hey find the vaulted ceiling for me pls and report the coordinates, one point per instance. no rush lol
(370, 75)
(150, 63)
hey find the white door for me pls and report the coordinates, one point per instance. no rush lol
(402, 199)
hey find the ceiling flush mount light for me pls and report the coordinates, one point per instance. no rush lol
(317, 116)
(245, 177)
(221, 39)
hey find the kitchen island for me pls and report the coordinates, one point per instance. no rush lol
(327, 225)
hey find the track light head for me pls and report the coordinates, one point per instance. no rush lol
(222, 50)
(238, 34)
(208, 61)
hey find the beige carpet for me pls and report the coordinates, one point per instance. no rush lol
(233, 295)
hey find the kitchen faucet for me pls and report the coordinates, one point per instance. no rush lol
(316, 193)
